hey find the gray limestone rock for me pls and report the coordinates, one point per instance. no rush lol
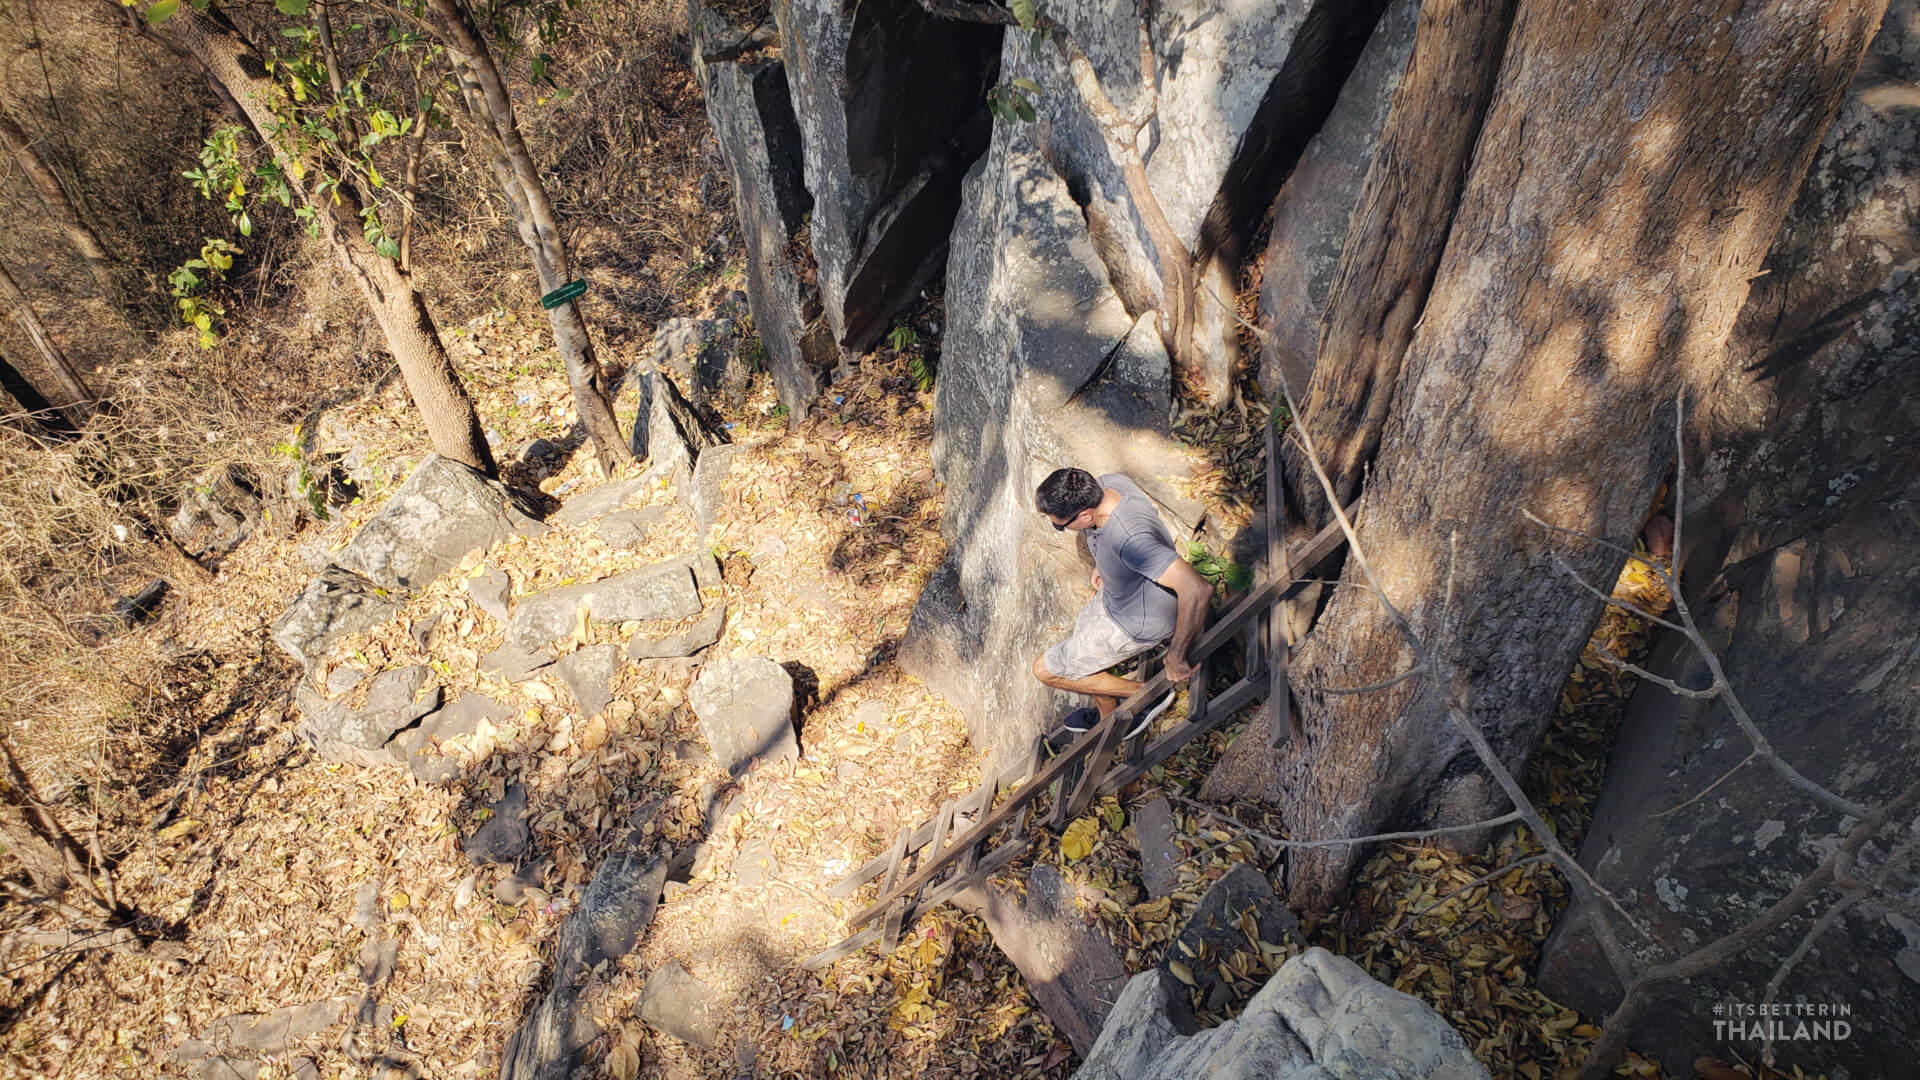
(588, 675)
(675, 1003)
(336, 603)
(751, 111)
(614, 911)
(416, 746)
(1071, 968)
(701, 635)
(1159, 855)
(754, 864)
(395, 700)
(226, 1068)
(891, 106)
(1319, 1017)
(513, 663)
(1058, 375)
(344, 680)
(504, 837)
(705, 493)
(662, 591)
(675, 432)
(490, 592)
(273, 1032)
(1241, 899)
(745, 706)
(443, 511)
(597, 501)
(512, 889)
(628, 528)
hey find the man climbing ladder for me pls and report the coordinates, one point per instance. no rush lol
(1144, 594)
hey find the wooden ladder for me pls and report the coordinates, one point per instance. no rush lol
(970, 839)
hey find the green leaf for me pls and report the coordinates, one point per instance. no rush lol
(291, 7)
(373, 175)
(1025, 11)
(1028, 85)
(245, 225)
(161, 11)
(1024, 109)
(387, 248)
(203, 320)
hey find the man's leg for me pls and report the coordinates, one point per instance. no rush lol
(1106, 690)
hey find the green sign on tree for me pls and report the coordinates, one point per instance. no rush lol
(564, 293)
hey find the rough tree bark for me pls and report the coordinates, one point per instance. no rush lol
(526, 194)
(80, 236)
(81, 402)
(453, 428)
(1632, 171)
(1399, 229)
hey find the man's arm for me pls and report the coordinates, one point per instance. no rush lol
(1193, 594)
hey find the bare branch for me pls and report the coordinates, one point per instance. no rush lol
(1638, 996)
(1343, 841)
(1728, 775)
(1611, 600)
(1664, 683)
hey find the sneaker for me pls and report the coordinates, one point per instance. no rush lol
(1081, 720)
(1150, 714)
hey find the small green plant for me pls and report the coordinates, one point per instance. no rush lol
(197, 309)
(1217, 569)
(921, 371)
(778, 412)
(309, 488)
(1013, 101)
(903, 338)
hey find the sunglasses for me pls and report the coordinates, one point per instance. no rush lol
(1061, 526)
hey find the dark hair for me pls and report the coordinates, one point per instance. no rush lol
(1066, 492)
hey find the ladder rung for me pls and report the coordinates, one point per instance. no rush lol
(894, 860)
(896, 915)
(942, 826)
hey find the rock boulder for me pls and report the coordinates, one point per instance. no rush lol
(891, 103)
(745, 706)
(751, 110)
(443, 511)
(336, 603)
(662, 591)
(1319, 1016)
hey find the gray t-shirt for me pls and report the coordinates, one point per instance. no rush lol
(1131, 550)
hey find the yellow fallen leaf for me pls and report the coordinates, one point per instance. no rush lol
(399, 901)
(179, 830)
(624, 1062)
(1077, 841)
(1181, 972)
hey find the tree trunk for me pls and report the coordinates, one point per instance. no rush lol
(81, 401)
(526, 195)
(84, 241)
(1632, 171)
(53, 860)
(39, 412)
(453, 428)
(1400, 226)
